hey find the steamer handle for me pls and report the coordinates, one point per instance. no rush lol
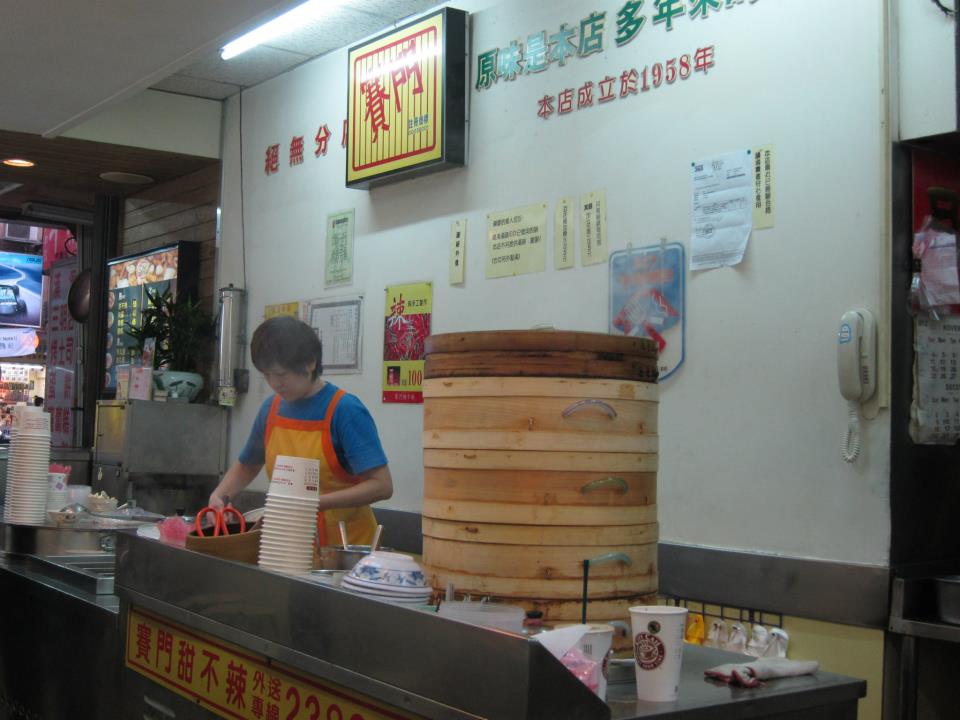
(612, 557)
(618, 482)
(592, 402)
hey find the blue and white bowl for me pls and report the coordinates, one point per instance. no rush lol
(389, 568)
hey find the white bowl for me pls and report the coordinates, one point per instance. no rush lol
(387, 568)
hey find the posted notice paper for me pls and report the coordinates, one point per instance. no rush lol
(722, 209)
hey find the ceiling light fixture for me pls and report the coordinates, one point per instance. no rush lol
(126, 178)
(291, 20)
(18, 162)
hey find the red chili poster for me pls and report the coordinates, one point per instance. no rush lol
(405, 331)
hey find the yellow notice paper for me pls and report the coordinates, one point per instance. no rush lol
(291, 308)
(458, 250)
(763, 197)
(593, 228)
(563, 230)
(516, 241)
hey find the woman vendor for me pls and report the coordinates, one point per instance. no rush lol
(311, 418)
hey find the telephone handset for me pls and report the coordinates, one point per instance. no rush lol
(856, 370)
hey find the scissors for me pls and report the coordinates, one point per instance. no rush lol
(219, 520)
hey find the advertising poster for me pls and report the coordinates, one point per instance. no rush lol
(338, 258)
(647, 299)
(129, 281)
(21, 289)
(516, 241)
(406, 327)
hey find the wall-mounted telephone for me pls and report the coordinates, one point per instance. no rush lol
(856, 370)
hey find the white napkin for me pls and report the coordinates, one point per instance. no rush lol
(750, 674)
(558, 642)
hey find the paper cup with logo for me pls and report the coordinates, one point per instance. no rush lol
(295, 477)
(658, 650)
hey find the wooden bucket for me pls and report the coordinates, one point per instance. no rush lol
(526, 475)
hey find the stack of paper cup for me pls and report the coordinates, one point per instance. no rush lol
(28, 467)
(58, 494)
(290, 516)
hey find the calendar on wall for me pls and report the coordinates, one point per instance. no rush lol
(935, 412)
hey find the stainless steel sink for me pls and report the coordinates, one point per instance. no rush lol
(93, 573)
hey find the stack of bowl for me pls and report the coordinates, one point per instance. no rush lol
(389, 576)
(28, 467)
(290, 516)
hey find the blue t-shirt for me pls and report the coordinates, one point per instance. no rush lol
(353, 431)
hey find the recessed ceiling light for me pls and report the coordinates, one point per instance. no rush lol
(18, 162)
(126, 178)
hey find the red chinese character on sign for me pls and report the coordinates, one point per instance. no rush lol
(397, 308)
(144, 637)
(565, 101)
(256, 707)
(321, 138)
(272, 162)
(273, 689)
(375, 98)
(209, 672)
(185, 655)
(545, 106)
(258, 684)
(402, 74)
(343, 139)
(585, 95)
(606, 89)
(703, 59)
(236, 684)
(273, 712)
(164, 639)
(628, 82)
(296, 150)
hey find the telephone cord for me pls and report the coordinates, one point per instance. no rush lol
(851, 440)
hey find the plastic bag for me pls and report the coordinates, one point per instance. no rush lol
(935, 287)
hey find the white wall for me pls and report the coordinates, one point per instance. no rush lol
(751, 425)
(157, 121)
(927, 69)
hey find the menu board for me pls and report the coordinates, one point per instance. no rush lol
(130, 279)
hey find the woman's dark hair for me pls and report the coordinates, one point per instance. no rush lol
(286, 342)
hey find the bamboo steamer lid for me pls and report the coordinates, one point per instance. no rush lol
(540, 340)
(537, 353)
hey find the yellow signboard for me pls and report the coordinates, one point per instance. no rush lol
(232, 682)
(291, 308)
(399, 115)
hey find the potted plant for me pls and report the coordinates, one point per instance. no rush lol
(183, 331)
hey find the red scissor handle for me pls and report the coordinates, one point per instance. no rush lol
(219, 520)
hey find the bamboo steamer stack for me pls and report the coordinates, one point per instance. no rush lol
(540, 451)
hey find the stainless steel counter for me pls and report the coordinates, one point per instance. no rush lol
(417, 662)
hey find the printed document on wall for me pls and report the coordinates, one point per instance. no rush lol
(935, 413)
(722, 210)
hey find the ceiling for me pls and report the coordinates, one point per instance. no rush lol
(67, 60)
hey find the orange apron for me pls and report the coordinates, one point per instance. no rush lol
(312, 439)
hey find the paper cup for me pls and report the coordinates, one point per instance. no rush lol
(295, 477)
(658, 650)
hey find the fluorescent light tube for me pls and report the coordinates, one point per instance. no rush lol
(291, 20)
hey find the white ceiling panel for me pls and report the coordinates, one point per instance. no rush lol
(197, 87)
(254, 66)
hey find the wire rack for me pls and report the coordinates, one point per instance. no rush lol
(728, 613)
